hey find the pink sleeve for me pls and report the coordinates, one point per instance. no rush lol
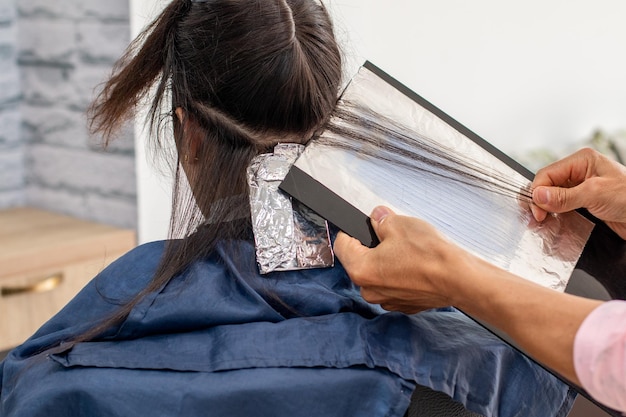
(600, 354)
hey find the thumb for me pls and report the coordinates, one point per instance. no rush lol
(378, 216)
(557, 199)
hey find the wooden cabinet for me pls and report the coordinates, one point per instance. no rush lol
(45, 259)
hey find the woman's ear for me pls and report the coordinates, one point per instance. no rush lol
(180, 113)
(192, 137)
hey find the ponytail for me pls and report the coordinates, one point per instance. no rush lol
(147, 60)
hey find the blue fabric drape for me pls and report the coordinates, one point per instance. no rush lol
(223, 340)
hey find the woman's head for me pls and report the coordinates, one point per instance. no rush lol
(234, 78)
(270, 66)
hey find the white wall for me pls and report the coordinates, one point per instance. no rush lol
(520, 74)
(153, 185)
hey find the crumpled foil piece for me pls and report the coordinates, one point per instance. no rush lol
(288, 235)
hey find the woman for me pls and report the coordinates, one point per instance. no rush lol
(189, 327)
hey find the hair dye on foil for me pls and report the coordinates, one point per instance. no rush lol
(288, 236)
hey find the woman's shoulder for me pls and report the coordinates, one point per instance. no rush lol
(102, 296)
(131, 272)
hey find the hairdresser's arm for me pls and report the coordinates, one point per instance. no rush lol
(585, 179)
(415, 268)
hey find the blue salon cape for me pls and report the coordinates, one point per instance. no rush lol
(214, 343)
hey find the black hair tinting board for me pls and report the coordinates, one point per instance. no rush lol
(600, 272)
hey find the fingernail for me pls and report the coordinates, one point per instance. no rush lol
(379, 214)
(541, 195)
(535, 211)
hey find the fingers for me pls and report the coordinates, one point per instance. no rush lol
(393, 302)
(349, 251)
(404, 308)
(398, 273)
(347, 247)
(556, 187)
(378, 216)
(567, 172)
(358, 259)
(363, 264)
(538, 213)
(559, 200)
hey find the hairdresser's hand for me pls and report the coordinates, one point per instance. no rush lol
(410, 269)
(585, 179)
(414, 268)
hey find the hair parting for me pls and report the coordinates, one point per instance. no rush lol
(217, 119)
(290, 19)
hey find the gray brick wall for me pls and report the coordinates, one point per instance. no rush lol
(64, 50)
(12, 175)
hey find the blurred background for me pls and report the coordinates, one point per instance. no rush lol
(535, 78)
(52, 56)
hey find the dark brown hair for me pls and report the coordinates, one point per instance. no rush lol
(246, 75)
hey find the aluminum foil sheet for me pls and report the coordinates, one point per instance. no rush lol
(288, 236)
(498, 228)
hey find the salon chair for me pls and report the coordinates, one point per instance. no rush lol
(428, 403)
